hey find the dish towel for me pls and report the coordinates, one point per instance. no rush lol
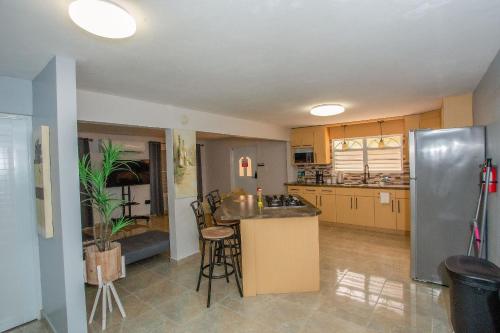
(385, 197)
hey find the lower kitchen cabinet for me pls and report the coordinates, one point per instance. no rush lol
(403, 214)
(344, 206)
(328, 208)
(310, 195)
(385, 213)
(364, 211)
(358, 206)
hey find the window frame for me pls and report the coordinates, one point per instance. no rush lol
(365, 150)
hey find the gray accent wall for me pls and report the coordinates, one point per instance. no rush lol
(61, 268)
(15, 96)
(217, 164)
(486, 108)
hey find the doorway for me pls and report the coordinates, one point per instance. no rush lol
(20, 278)
(244, 169)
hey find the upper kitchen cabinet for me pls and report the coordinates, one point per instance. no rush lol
(316, 137)
(321, 145)
(302, 137)
(430, 120)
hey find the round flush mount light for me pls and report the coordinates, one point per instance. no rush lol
(102, 18)
(327, 110)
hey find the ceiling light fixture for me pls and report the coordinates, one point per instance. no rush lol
(102, 18)
(326, 110)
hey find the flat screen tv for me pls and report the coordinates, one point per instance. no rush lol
(138, 176)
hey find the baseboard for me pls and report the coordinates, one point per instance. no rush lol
(43, 315)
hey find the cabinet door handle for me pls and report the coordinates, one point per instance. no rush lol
(351, 202)
(392, 206)
(356, 202)
(321, 201)
(316, 201)
(398, 207)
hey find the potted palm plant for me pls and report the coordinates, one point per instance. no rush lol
(104, 252)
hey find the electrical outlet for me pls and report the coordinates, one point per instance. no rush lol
(147, 202)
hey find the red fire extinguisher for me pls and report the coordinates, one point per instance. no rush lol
(492, 188)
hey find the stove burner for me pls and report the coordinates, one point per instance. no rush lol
(283, 201)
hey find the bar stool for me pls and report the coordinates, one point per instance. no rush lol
(216, 238)
(214, 201)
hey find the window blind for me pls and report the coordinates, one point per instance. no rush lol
(348, 160)
(384, 159)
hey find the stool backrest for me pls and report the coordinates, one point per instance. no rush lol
(214, 200)
(199, 214)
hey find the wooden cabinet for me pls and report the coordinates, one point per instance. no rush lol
(309, 193)
(316, 137)
(358, 206)
(321, 146)
(344, 207)
(402, 208)
(302, 137)
(327, 204)
(430, 120)
(363, 211)
(385, 213)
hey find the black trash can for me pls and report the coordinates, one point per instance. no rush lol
(474, 294)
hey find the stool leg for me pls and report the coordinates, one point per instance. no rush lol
(237, 257)
(235, 275)
(219, 253)
(201, 265)
(211, 270)
(237, 246)
(225, 261)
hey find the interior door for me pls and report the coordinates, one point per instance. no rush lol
(19, 278)
(245, 169)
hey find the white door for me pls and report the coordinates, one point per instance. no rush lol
(244, 167)
(20, 274)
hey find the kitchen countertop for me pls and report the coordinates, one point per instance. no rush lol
(388, 186)
(245, 207)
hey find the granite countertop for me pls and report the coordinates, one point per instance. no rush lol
(244, 207)
(387, 186)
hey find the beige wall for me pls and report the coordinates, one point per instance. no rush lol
(457, 111)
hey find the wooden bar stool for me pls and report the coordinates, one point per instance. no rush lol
(214, 201)
(216, 238)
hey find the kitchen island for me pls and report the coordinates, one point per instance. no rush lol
(280, 245)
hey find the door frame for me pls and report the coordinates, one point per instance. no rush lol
(231, 164)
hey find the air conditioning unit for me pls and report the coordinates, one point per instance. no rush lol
(130, 146)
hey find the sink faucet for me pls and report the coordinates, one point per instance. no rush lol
(366, 174)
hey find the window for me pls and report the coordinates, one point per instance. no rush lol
(245, 164)
(362, 151)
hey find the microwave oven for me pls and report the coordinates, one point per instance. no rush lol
(303, 155)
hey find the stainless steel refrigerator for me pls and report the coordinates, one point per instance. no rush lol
(444, 185)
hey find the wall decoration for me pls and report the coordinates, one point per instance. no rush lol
(185, 163)
(43, 187)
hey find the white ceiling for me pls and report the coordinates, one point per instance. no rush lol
(268, 60)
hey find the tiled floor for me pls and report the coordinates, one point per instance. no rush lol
(365, 287)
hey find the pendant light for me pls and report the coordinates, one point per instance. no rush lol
(381, 143)
(345, 146)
